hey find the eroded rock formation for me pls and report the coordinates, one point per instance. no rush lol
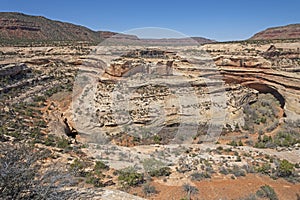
(261, 74)
(149, 92)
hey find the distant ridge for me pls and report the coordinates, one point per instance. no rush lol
(16, 27)
(291, 31)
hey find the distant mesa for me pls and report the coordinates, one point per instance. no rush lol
(18, 27)
(291, 31)
(108, 34)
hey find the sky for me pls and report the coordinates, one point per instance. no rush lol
(222, 20)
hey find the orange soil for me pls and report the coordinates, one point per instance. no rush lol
(227, 188)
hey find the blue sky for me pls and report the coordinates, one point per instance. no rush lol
(216, 19)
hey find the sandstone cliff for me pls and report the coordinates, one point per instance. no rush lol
(291, 31)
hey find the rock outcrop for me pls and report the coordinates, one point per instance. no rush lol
(271, 69)
(180, 93)
(13, 69)
(147, 92)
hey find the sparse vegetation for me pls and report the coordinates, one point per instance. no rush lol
(95, 181)
(190, 190)
(281, 139)
(100, 166)
(285, 169)
(156, 168)
(78, 166)
(63, 143)
(129, 177)
(31, 111)
(149, 189)
(235, 144)
(20, 177)
(198, 176)
(264, 169)
(262, 114)
(237, 171)
(164, 171)
(267, 192)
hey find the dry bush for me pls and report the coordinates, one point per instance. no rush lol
(22, 175)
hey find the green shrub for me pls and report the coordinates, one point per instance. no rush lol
(237, 128)
(198, 176)
(223, 170)
(238, 159)
(190, 190)
(156, 167)
(267, 139)
(235, 144)
(39, 99)
(50, 140)
(286, 139)
(130, 177)
(62, 143)
(263, 120)
(157, 139)
(91, 179)
(22, 177)
(100, 165)
(219, 148)
(267, 192)
(285, 169)
(240, 143)
(164, 171)
(260, 145)
(149, 190)
(237, 171)
(232, 143)
(264, 169)
(78, 167)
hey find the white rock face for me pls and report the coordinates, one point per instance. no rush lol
(178, 90)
